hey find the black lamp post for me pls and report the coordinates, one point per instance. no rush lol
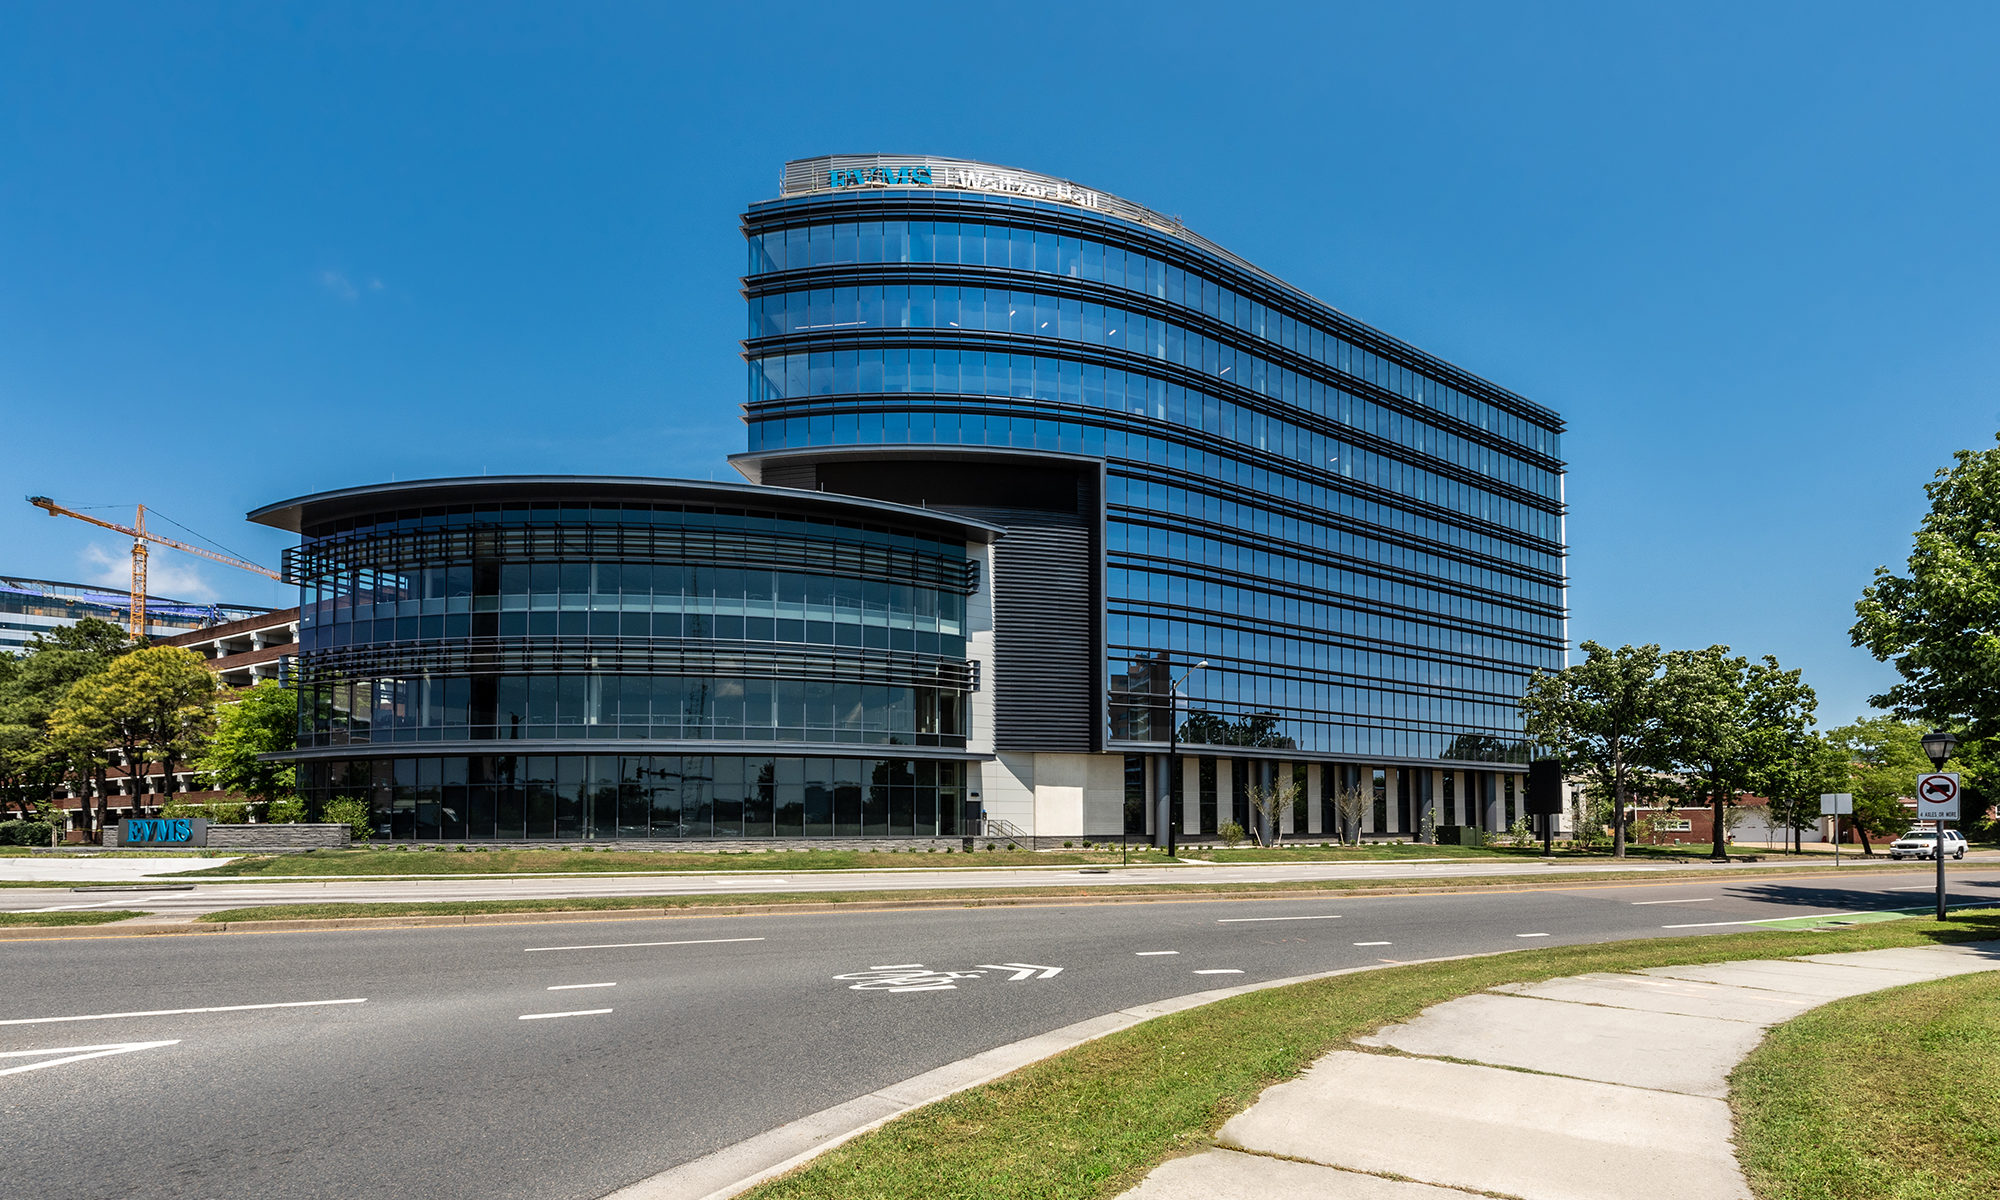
(1170, 812)
(1938, 745)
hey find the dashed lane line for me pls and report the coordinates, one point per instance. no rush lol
(572, 987)
(581, 1012)
(1152, 953)
(1531, 935)
(1252, 920)
(1695, 900)
(1220, 971)
(632, 945)
(1374, 943)
(175, 1012)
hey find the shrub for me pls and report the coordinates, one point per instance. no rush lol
(25, 833)
(1066, 845)
(1232, 835)
(351, 812)
(289, 811)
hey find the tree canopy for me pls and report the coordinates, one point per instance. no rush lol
(1602, 718)
(261, 720)
(1939, 625)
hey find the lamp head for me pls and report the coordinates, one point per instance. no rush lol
(1938, 745)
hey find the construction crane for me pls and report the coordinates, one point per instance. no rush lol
(140, 535)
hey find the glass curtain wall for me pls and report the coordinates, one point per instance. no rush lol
(1365, 543)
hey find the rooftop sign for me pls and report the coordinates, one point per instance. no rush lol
(843, 172)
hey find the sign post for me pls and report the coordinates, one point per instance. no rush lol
(1833, 804)
(1937, 802)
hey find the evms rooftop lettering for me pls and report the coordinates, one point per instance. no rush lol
(893, 176)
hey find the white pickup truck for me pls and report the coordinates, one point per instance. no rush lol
(1923, 843)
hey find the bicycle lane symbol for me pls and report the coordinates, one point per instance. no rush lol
(905, 977)
(916, 977)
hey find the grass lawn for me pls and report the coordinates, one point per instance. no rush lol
(1090, 1122)
(93, 917)
(511, 862)
(1889, 1095)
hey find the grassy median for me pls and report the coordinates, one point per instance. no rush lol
(458, 859)
(1884, 1096)
(1043, 893)
(1091, 1122)
(94, 917)
(466, 860)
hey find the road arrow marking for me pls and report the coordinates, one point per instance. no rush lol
(77, 1054)
(1023, 971)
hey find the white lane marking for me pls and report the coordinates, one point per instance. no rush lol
(1374, 943)
(175, 1012)
(571, 987)
(1248, 920)
(631, 945)
(899, 967)
(74, 907)
(1151, 953)
(77, 1054)
(1220, 971)
(1531, 935)
(1921, 887)
(1695, 900)
(581, 1012)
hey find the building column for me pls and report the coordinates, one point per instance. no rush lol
(1315, 821)
(1190, 795)
(1286, 820)
(1392, 809)
(1163, 798)
(1489, 794)
(1225, 779)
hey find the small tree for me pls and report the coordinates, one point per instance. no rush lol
(1350, 808)
(1270, 804)
(1602, 717)
(262, 720)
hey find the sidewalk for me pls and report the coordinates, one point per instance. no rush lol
(1595, 1087)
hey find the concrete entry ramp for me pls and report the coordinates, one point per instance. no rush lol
(1607, 1086)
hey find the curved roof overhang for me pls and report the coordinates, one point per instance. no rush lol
(295, 514)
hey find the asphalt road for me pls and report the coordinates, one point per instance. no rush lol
(442, 1077)
(161, 897)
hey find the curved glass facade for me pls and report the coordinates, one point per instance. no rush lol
(1364, 543)
(485, 659)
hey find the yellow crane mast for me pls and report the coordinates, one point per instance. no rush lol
(140, 535)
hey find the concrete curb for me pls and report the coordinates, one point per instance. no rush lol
(735, 1169)
(1210, 894)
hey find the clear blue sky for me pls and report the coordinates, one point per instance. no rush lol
(1749, 251)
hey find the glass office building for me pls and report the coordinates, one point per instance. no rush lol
(1363, 543)
(515, 658)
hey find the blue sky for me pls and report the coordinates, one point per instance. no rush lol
(1749, 251)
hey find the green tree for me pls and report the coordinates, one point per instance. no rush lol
(1602, 718)
(1787, 759)
(1707, 702)
(1939, 626)
(154, 704)
(32, 766)
(262, 720)
(1884, 756)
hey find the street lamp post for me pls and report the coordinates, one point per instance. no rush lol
(1938, 745)
(1169, 817)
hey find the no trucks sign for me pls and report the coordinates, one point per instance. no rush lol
(1937, 797)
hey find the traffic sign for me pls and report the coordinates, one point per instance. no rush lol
(1836, 804)
(1937, 797)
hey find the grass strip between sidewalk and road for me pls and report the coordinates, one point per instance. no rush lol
(1043, 894)
(93, 917)
(1089, 1123)
(1883, 1096)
